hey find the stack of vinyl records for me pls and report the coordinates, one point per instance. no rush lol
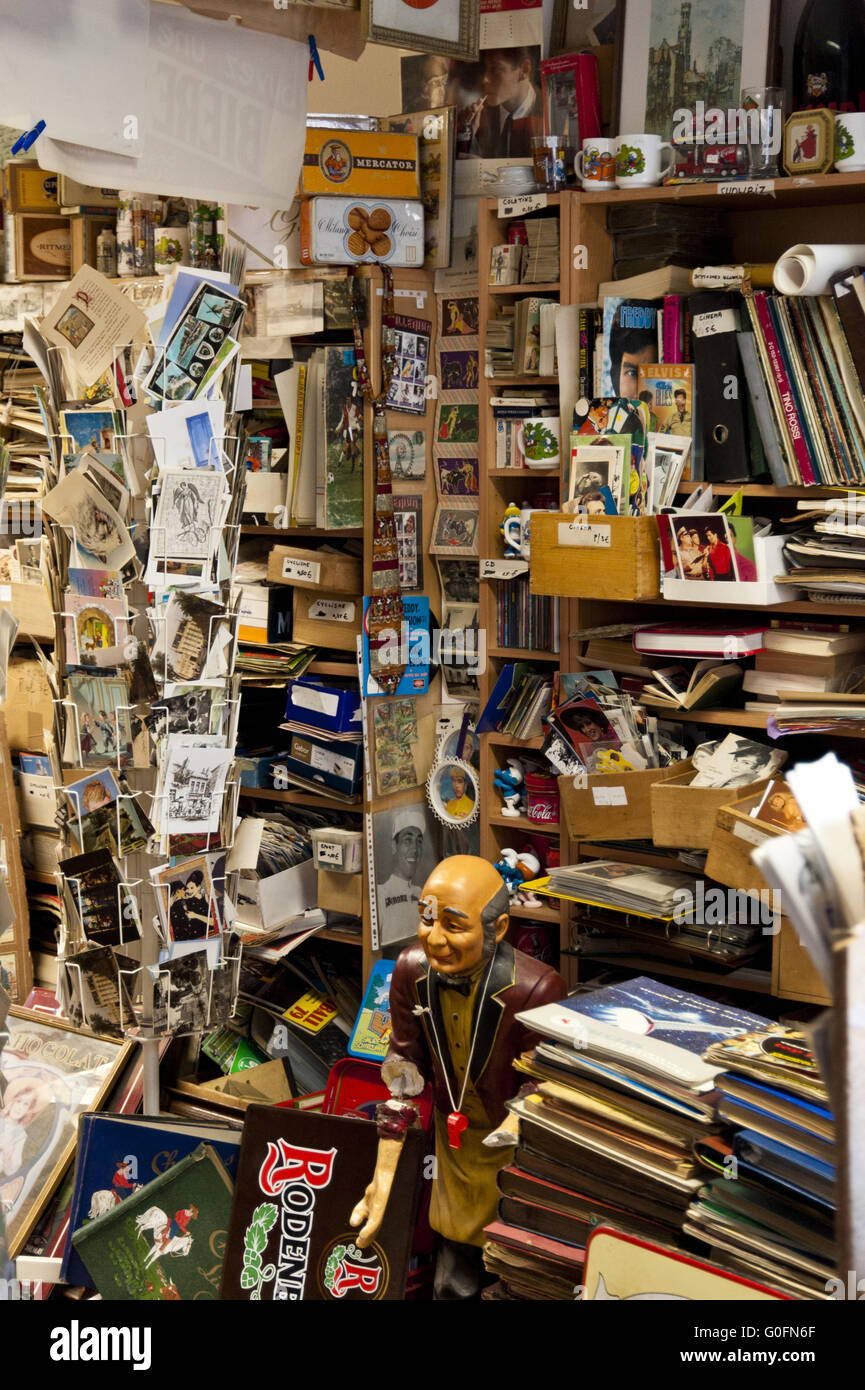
(608, 1136)
(769, 1211)
(645, 238)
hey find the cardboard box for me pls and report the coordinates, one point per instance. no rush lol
(794, 975)
(327, 620)
(315, 569)
(361, 231)
(27, 188)
(335, 765)
(613, 806)
(332, 707)
(86, 228)
(31, 605)
(684, 816)
(734, 838)
(360, 163)
(340, 892)
(29, 706)
(265, 614)
(611, 557)
(42, 246)
(757, 593)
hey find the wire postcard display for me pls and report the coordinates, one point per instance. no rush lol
(144, 491)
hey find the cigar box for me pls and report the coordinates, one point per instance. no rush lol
(360, 231)
(38, 248)
(361, 163)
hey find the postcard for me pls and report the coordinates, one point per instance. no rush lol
(106, 909)
(194, 785)
(90, 321)
(99, 724)
(189, 515)
(200, 345)
(95, 628)
(97, 535)
(99, 990)
(184, 894)
(455, 530)
(188, 435)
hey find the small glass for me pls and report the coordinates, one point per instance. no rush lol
(548, 161)
(761, 128)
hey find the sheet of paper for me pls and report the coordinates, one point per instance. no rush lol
(90, 323)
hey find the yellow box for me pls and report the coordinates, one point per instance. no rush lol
(27, 188)
(611, 557)
(360, 163)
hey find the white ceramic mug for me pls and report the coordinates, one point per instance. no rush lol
(638, 160)
(849, 141)
(595, 164)
(517, 531)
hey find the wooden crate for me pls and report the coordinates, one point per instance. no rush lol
(613, 805)
(326, 620)
(794, 975)
(315, 569)
(734, 838)
(684, 816)
(340, 892)
(617, 557)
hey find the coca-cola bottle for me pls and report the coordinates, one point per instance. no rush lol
(829, 56)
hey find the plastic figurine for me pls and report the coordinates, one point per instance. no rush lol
(528, 867)
(508, 781)
(512, 552)
(507, 867)
(454, 1001)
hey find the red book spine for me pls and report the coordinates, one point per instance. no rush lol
(788, 405)
(672, 333)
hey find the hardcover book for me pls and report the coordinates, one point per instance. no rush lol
(299, 1178)
(120, 1154)
(165, 1241)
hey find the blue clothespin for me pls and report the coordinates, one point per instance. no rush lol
(23, 143)
(314, 60)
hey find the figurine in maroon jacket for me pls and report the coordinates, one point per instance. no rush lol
(454, 998)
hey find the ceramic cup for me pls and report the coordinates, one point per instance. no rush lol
(595, 164)
(850, 141)
(517, 531)
(638, 160)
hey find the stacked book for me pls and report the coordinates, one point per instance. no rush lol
(769, 1210)
(499, 346)
(804, 658)
(510, 413)
(826, 557)
(622, 1097)
(541, 255)
(661, 234)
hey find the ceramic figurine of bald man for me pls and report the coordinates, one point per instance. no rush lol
(453, 1001)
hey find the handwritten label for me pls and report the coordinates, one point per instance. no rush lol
(307, 570)
(710, 325)
(503, 569)
(518, 204)
(749, 833)
(718, 277)
(754, 188)
(333, 610)
(5, 593)
(328, 852)
(609, 796)
(580, 533)
(419, 296)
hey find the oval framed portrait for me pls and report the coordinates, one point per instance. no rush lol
(453, 791)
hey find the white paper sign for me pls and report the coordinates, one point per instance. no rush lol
(518, 204)
(609, 796)
(333, 610)
(749, 833)
(307, 570)
(718, 321)
(747, 188)
(580, 533)
(327, 852)
(503, 569)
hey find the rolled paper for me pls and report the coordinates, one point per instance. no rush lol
(809, 269)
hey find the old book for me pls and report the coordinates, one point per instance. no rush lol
(161, 1242)
(299, 1177)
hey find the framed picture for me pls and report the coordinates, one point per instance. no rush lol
(405, 852)
(457, 477)
(455, 530)
(675, 55)
(588, 25)
(408, 522)
(440, 26)
(809, 142)
(52, 1073)
(453, 789)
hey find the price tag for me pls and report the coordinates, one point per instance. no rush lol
(503, 569)
(332, 610)
(308, 570)
(609, 796)
(748, 188)
(329, 853)
(710, 325)
(580, 533)
(518, 204)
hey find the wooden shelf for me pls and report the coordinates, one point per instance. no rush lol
(544, 827)
(536, 914)
(744, 978)
(520, 379)
(521, 654)
(509, 741)
(526, 287)
(524, 473)
(769, 491)
(289, 533)
(815, 190)
(297, 797)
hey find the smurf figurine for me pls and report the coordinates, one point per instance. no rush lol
(508, 781)
(528, 868)
(512, 548)
(507, 867)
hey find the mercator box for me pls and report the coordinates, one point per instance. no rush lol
(361, 231)
(360, 163)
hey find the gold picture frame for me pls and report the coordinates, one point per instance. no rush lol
(806, 129)
(52, 1073)
(376, 28)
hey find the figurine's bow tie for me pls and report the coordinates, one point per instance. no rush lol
(459, 986)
